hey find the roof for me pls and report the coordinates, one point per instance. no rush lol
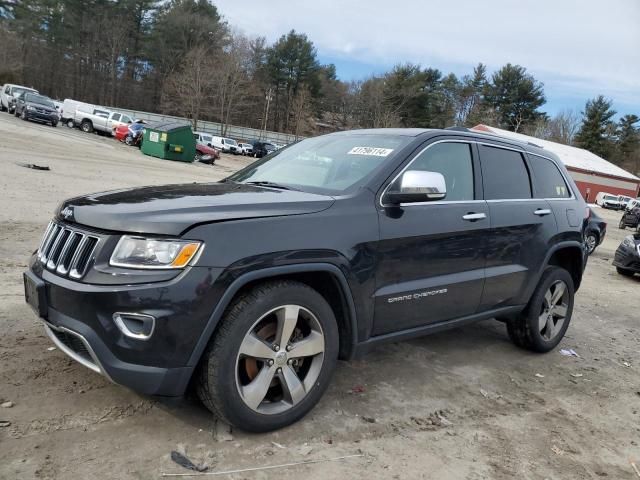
(405, 132)
(168, 126)
(572, 157)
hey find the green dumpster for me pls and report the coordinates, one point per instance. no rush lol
(170, 140)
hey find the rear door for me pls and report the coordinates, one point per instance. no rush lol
(431, 255)
(522, 226)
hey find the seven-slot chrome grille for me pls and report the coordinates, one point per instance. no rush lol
(66, 251)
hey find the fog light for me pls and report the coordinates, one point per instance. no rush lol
(135, 325)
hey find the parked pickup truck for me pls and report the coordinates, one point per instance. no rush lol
(92, 118)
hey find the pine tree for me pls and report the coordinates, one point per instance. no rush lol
(596, 125)
(515, 96)
(628, 142)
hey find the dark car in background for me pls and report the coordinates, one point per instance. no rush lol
(630, 218)
(262, 149)
(627, 257)
(32, 106)
(595, 231)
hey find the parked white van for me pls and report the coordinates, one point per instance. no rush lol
(227, 145)
(8, 92)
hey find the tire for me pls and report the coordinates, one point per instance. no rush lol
(197, 157)
(224, 371)
(54, 124)
(2, 108)
(70, 123)
(524, 329)
(86, 126)
(591, 242)
(622, 225)
(23, 115)
(624, 272)
(128, 140)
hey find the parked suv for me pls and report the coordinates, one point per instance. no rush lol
(31, 106)
(251, 288)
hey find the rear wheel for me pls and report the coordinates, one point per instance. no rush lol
(624, 271)
(591, 242)
(272, 357)
(543, 323)
(198, 156)
(86, 126)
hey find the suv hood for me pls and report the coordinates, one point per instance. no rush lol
(172, 209)
(40, 106)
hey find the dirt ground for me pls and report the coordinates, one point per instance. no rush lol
(464, 404)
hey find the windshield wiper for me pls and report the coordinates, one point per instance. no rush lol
(265, 183)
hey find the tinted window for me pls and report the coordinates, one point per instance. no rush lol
(453, 161)
(115, 117)
(549, 180)
(504, 174)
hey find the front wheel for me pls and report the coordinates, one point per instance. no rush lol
(622, 225)
(543, 323)
(198, 157)
(86, 126)
(23, 115)
(591, 242)
(271, 358)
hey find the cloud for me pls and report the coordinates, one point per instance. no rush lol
(589, 45)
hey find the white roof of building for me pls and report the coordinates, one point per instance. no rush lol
(572, 157)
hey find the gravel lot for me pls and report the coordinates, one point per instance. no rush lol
(461, 404)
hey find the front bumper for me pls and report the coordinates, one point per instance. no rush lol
(627, 259)
(78, 318)
(41, 117)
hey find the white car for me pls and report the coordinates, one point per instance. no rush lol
(608, 200)
(9, 92)
(246, 148)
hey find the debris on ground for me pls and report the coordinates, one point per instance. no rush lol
(6, 404)
(279, 445)
(635, 468)
(51, 349)
(358, 389)
(268, 467)
(305, 450)
(539, 375)
(626, 364)
(576, 375)
(33, 166)
(4, 423)
(368, 419)
(183, 461)
(557, 450)
(484, 393)
(568, 352)
(433, 421)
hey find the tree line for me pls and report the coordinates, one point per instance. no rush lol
(181, 57)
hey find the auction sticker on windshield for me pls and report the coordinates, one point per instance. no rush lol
(372, 151)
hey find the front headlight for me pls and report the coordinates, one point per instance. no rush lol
(140, 252)
(29, 107)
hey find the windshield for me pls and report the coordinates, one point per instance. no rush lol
(230, 141)
(610, 197)
(15, 91)
(39, 99)
(327, 164)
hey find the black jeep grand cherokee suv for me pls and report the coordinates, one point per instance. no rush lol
(253, 287)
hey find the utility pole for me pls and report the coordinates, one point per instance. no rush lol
(268, 97)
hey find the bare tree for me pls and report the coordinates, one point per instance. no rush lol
(302, 111)
(564, 126)
(188, 91)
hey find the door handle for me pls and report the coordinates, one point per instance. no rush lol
(542, 212)
(473, 217)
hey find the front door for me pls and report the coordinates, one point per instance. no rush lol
(432, 254)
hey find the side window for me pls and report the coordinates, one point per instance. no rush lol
(125, 119)
(115, 117)
(504, 174)
(548, 179)
(454, 162)
(6, 90)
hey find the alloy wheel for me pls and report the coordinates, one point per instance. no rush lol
(554, 310)
(280, 359)
(590, 241)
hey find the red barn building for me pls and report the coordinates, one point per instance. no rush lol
(591, 173)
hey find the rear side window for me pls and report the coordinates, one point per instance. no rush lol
(116, 117)
(454, 162)
(549, 181)
(504, 174)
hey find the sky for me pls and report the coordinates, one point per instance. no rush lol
(578, 48)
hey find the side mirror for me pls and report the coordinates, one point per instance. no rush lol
(417, 186)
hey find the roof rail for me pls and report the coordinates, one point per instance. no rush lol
(458, 129)
(535, 145)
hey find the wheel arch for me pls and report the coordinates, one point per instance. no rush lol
(325, 278)
(571, 257)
